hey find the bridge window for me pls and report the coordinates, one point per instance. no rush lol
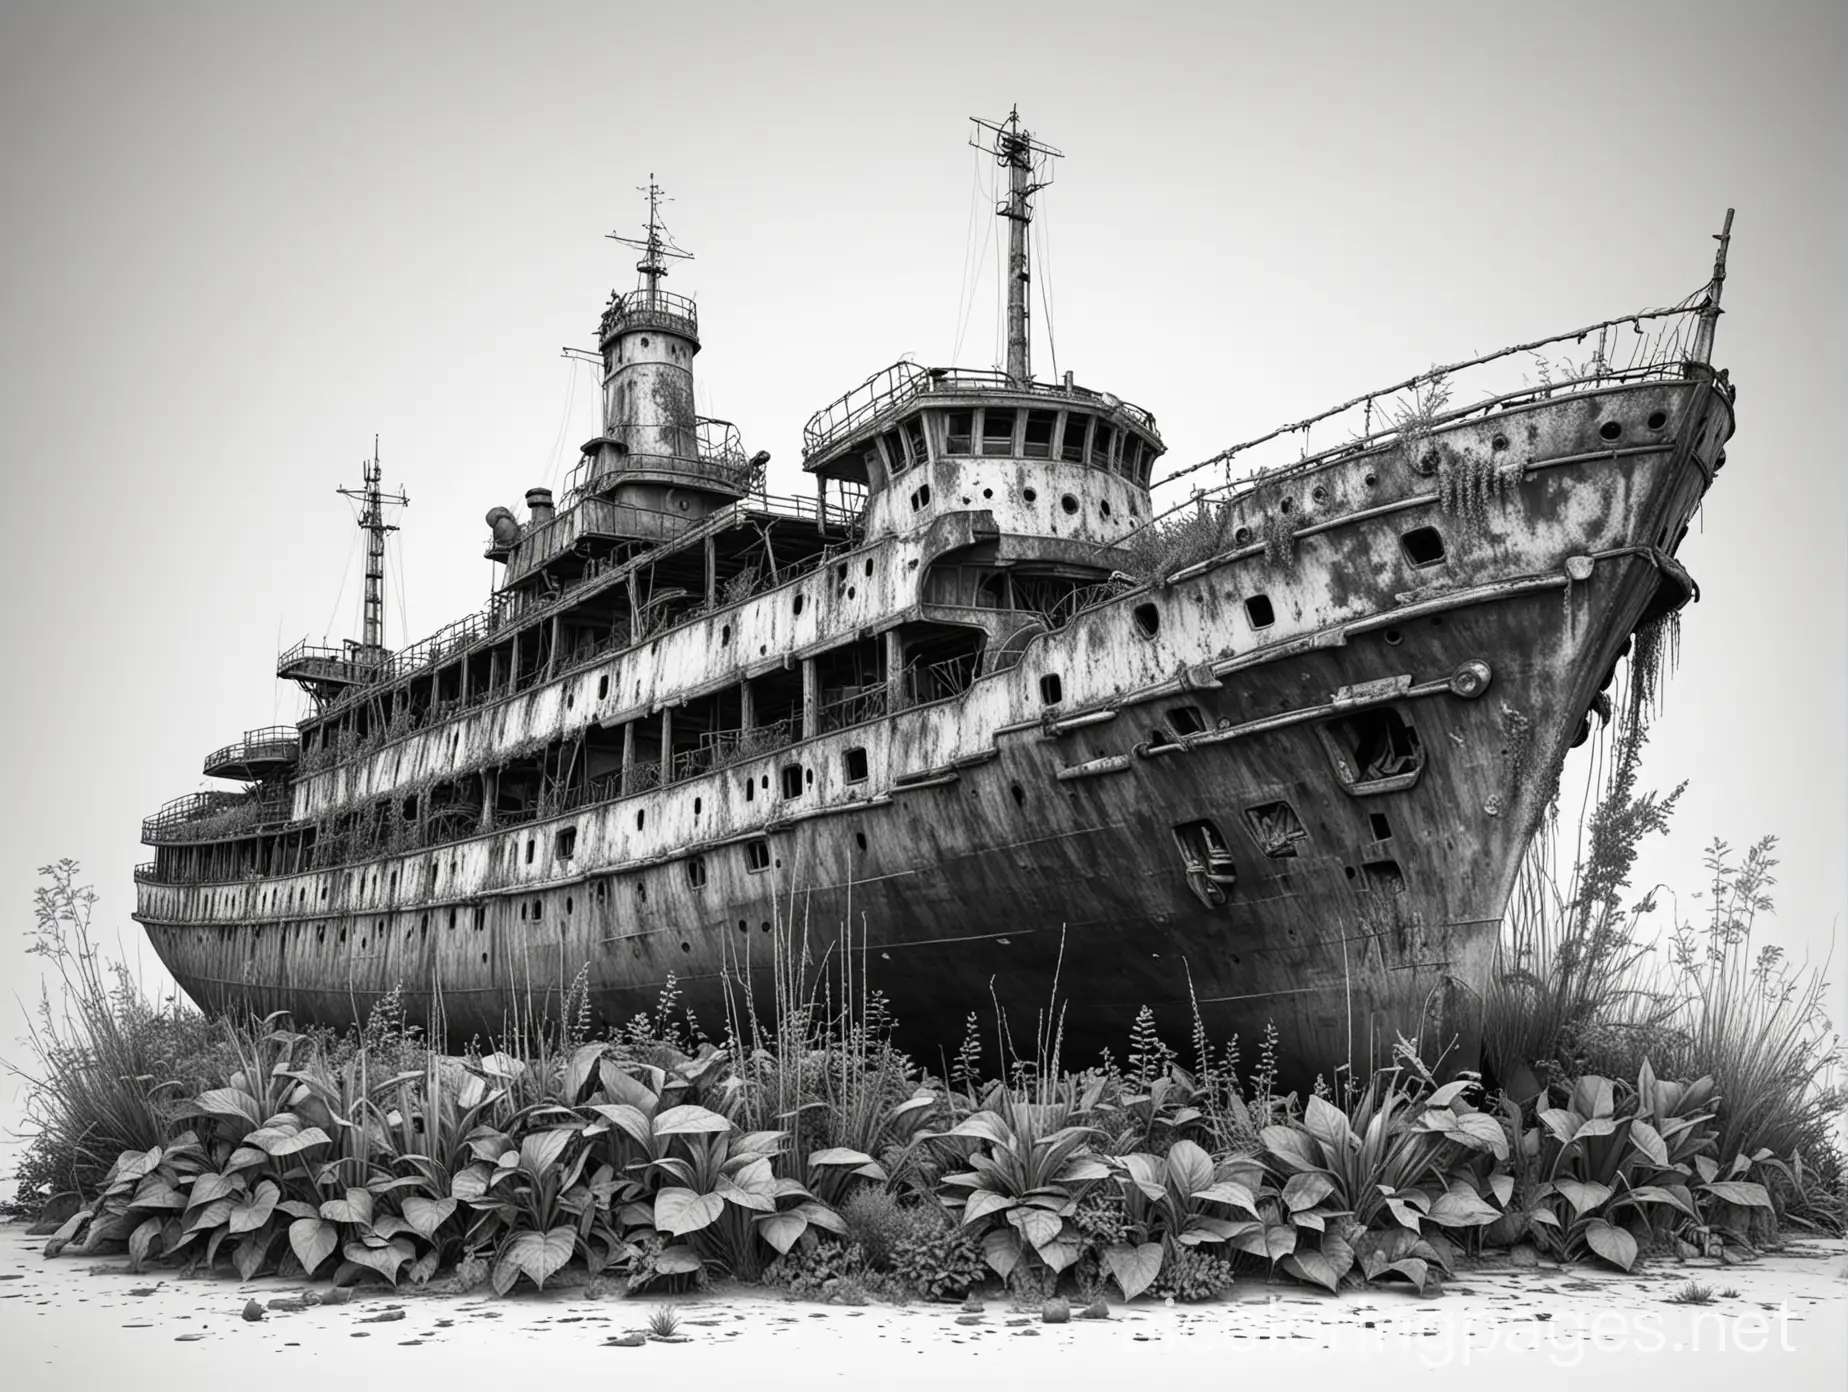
(1103, 444)
(960, 433)
(1131, 464)
(696, 872)
(1071, 444)
(856, 766)
(895, 452)
(915, 450)
(998, 431)
(756, 856)
(1037, 443)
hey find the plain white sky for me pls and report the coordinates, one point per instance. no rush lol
(239, 240)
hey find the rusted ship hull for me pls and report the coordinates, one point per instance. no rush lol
(1125, 836)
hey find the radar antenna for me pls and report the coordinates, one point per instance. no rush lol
(1021, 155)
(373, 503)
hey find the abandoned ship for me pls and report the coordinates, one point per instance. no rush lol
(977, 713)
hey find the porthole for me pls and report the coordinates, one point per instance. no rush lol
(1103, 507)
(1370, 479)
(1241, 536)
(1393, 637)
(796, 603)
(1069, 504)
(1285, 504)
(1030, 494)
(1148, 619)
(725, 636)
(1610, 430)
(1318, 494)
(1657, 419)
(1500, 442)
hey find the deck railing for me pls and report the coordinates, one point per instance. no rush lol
(1620, 351)
(895, 386)
(650, 309)
(513, 608)
(274, 743)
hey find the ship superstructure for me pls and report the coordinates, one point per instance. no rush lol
(1276, 754)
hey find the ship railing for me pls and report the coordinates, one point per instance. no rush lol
(1651, 345)
(689, 763)
(854, 708)
(650, 309)
(350, 662)
(145, 873)
(202, 817)
(509, 608)
(274, 743)
(721, 444)
(642, 775)
(735, 746)
(895, 386)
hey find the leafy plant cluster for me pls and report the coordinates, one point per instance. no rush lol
(298, 1165)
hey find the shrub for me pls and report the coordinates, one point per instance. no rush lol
(1192, 1273)
(877, 1223)
(815, 1267)
(934, 1258)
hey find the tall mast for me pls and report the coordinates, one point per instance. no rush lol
(373, 501)
(1017, 151)
(1710, 310)
(657, 247)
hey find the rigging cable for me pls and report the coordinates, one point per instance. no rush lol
(981, 255)
(556, 454)
(345, 571)
(1045, 280)
(962, 283)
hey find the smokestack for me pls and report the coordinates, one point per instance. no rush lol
(539, 504)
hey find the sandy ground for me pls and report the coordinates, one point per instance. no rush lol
(75, 1323)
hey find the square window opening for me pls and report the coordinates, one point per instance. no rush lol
(1187, 720)
(566, 845)
(756, 856)
(1424, 546)
(1374, 751)
(1052, 690)
(1277, 829)
(856, 766)
(1259, 611)
(792, 781)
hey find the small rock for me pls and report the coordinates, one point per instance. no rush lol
(1055, 1311)
(338, 1295)
(1097, 1309)
(383, 1317)
(629, 1340)
(1523, 1255)
(973, 1305)
(291, 1303)
(252, 1311)
(968, 1319)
